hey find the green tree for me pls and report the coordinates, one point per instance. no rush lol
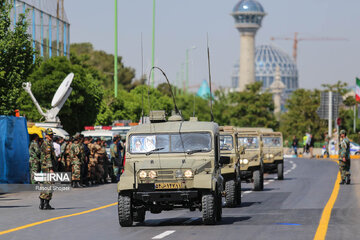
(249, 108)
(83, 105)
(104, 62)
(340, 87)
(16, 58)
(301, 116)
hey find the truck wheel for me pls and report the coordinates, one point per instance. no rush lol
(280, 171)
(238, 193)
(230, 193)
(139, 215)
(209, 210)
(258, 180)
(125, 210)
(219, 207)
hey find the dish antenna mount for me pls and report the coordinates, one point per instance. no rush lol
(61, 95)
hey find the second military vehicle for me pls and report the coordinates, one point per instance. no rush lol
(171, 164)
(251, 159)
(231, 171)
(274, 153)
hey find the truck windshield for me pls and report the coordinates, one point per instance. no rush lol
(272, 141)
(248, 142)
(171, 143)
(226, 142)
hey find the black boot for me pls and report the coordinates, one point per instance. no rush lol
(342, 182)
(47, 205)
(42, 202)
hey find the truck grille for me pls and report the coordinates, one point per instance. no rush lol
(165, 175)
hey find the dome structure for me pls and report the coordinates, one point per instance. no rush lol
(248, 6)
(267, 58)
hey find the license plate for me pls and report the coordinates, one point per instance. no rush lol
(167, 185)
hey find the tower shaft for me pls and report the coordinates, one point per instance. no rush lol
(247, 60)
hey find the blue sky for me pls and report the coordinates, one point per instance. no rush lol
(181, 24)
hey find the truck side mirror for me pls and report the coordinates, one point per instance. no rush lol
(224, 160)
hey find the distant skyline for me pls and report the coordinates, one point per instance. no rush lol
(184, 24)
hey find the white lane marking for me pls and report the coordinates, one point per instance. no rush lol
(164, 234)
(191, 220)
(272, 180)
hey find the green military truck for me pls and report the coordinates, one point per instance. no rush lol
(251, 159)
(231, 171)
(171, 164)
(274, 153)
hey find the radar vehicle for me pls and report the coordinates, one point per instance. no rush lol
(171, 164)
(231, 171)
(251, 158)
(273, 153)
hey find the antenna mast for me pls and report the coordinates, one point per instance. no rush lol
(208, 53)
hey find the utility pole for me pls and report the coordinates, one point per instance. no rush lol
(330, 114)
(153, 46)
(116, 53)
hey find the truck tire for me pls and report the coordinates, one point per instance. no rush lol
(280, 171)
(125, 210)
(258, 180)
(230, 193)
(139, 215)
(238, 193)
(209, 210)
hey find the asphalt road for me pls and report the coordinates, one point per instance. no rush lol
(288, 209)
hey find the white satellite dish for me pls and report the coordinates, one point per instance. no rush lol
(62, 93)
(62, 90)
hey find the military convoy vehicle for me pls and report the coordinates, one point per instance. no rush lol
(251, 158)
(231, 171)
(273, 153)
(171, 164)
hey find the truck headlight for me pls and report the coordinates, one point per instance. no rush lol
(142, 174)
(188, 173)
(178, 174)
(152, 174)
(271, 155)
(244, 161)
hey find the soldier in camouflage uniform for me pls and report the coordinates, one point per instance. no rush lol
(46, 162)
(35, 154)
(344, 158)
(99, 155)
(67, 155)
(75, 156)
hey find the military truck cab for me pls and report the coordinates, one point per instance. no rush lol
(251, 159)
(274, 153)
(171, 164)
(231, 171)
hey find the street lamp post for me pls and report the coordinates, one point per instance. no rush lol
(116, 53)
(187, 67)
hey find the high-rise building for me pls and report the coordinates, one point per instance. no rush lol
(248, 16)
(48, 25)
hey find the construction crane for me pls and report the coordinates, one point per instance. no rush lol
(297, 40)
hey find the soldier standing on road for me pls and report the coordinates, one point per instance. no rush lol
(75, 156)
(46, 162)
(344, 158)
(35, 154)
(327, 143)
(115, 158)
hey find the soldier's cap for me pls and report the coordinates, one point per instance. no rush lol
(342, 131)
(49, 131)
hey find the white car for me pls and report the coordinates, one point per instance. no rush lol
(354, 148)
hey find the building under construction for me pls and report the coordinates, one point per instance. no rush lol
(48, 25)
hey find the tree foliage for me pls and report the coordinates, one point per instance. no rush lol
(249, 108)
(82, 106)
(104, 62)
(301, 116)
(16, 58)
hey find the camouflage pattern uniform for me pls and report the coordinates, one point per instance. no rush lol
(34, 160)
(114, 158)
(75, 156)
(99, 155)
(344, 152)
(67, 157)
(46, 163)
